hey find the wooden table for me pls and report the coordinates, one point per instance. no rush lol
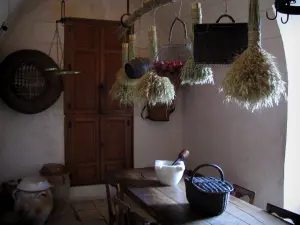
(168, 204)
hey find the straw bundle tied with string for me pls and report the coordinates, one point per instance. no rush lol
(122, 89)
(152, 88)
(192, 73)
(254, 81)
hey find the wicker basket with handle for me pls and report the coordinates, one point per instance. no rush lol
(171, 57)
(208, 196)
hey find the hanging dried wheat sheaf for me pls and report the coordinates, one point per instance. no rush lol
(193, 73)
(254, 81)
(153, 89)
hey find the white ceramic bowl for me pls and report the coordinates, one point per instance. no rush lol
(168, 174)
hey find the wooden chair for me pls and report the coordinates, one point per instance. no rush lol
(283, 213)
(111, 213)
(124, 216)
(240, 192)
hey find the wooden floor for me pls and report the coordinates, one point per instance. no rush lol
(93, 211)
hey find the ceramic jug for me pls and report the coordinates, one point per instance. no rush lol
(33, 200)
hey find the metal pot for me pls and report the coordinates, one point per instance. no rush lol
(137, 67)
(33, 200)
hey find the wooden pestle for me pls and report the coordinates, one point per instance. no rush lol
(182, 156)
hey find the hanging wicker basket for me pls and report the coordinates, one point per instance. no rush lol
(171, 57)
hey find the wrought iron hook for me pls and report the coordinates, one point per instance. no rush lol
(267, 15)
(287, 19)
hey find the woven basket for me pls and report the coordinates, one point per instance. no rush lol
(176, 53)
(208, 196)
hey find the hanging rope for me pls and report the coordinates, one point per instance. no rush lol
(59, 47)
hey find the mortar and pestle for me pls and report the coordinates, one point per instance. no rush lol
(170, 172)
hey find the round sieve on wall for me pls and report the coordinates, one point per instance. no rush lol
(24, 86)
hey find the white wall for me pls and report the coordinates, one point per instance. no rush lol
(249, 147)
(291, 37)
(29, 141)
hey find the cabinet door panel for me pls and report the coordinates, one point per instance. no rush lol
(85, 90)
(81, 54)
(111, 62)
(83, 149)
(111, 41)
(116, 142)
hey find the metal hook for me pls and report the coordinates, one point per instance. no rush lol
(287, 19)
(267, 15)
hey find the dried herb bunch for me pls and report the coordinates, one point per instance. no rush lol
(192, 73)
(254, 81)
(153, 89)
(122, 89)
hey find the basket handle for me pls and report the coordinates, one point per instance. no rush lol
(172, 26)
(225, 15)
(210, 165)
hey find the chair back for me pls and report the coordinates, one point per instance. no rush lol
(240, 192)
(122, 212)
(124, 215)
(110, 203)
(283, 213)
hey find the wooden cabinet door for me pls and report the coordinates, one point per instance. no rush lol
(111, 62)
(82, 149)
(116, 142)
(81, 54)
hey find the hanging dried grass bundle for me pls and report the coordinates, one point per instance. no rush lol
(254, 81)
(153, 89)
(122, 89)
(192, 73)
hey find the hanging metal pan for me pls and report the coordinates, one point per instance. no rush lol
(219, 43)
(24, 86)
